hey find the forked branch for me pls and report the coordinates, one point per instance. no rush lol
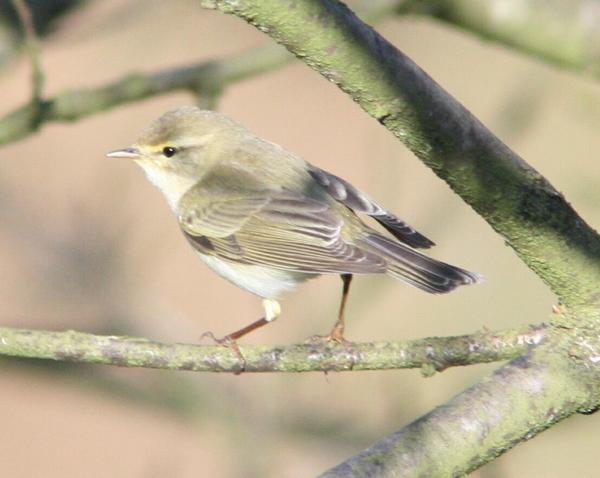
(557, 379)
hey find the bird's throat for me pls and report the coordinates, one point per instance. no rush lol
(172, 185)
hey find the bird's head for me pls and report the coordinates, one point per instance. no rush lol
(176, 143)
(179, 147)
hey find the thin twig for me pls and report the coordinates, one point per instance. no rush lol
(205, 78)
(33, 48)
(73, 105)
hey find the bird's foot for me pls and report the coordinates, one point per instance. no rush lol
(230, 343)
(336, 335)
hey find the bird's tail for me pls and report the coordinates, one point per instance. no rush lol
(416, 269)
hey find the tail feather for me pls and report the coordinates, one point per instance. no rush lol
(421, 271)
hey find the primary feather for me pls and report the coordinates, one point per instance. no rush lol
(286, 230)
(357, 201)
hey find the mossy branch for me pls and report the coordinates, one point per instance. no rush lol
(556, 379)
(519, 203)
(203, 77)
(516, 402)
(430, 354)
(533, 392)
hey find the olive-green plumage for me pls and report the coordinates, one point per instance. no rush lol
(267, 220)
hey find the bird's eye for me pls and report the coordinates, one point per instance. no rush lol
(169, 151)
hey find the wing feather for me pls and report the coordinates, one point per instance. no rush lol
(343, 192)
(220, 217)
(274, 228)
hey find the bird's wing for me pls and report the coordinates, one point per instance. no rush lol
(275, 228)
(349, 196)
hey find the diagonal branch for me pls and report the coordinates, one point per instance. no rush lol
(431, 354)
(516, 402)
(203, 78)
(559, 378)
(520, 204)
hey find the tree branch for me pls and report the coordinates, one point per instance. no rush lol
(33, 48)
(520, 204)
(515, 403)
(72, 105)
(203, 78)
(430, 354)
(562, 376)
(565, 33)
(559, 378)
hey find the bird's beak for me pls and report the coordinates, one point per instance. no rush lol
(125, 153)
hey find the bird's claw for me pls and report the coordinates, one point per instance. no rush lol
(336, 335)
(230, 343)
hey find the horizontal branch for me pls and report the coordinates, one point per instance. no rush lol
(436, 353)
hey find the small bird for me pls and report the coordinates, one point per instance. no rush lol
(266, 220)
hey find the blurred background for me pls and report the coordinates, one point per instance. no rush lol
(87, 243)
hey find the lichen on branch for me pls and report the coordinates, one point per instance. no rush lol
(515, 199)
(430, 354)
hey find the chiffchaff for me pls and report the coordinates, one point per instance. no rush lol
(267, 220)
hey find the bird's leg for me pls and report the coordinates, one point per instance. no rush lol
(337, 332)
(272, 311)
